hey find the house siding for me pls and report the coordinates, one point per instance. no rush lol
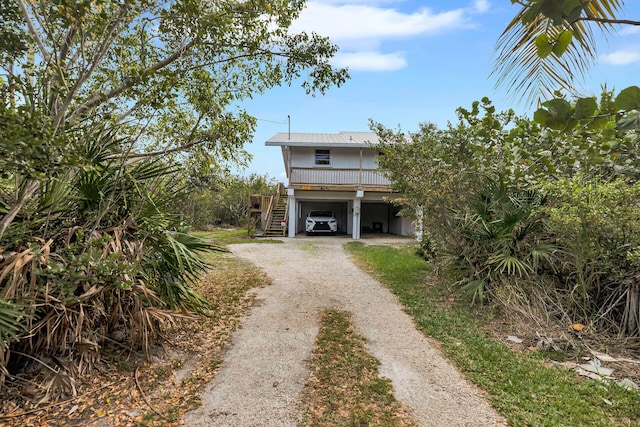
(348, 166)
(341, 158)
(351, 185)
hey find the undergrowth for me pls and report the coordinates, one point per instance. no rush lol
(519, 385)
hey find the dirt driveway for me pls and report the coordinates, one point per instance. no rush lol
(264, 371)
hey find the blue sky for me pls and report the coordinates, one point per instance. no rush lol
(412, 62)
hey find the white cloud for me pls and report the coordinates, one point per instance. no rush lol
(360, 27)
(371, 61)
(481, 6)
(622, 57)
(357, 22)
(629, 30)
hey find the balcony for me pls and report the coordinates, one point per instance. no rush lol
(339, 179)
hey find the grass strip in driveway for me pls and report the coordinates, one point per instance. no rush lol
(344, 388)
(519, 385)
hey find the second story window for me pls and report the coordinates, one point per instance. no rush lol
(323, 157)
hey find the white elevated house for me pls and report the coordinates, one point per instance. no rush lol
(338, 172)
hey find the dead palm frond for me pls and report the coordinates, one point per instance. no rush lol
(550, 43)
(109, 260)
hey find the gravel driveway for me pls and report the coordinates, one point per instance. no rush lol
(264, 371)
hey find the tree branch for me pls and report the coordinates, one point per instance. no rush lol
(67, 39)
(258, 53)
(33, 32)
(97, 58)
(192, 143)
(126, 114)
(138, 157)
(132, 80)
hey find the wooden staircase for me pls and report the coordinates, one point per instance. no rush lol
(276, 225)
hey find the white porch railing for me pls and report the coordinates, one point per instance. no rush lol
(357, 177)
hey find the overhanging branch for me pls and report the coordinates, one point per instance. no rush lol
(33, 32)
(132, 80)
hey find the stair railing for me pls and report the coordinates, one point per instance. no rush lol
(272, 204)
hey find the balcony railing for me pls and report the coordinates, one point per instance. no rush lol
(339, 177)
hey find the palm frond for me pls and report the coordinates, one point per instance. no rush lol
(526, 74)
(173, 264)
(10, 320)
(509, 264)
(475, 290)
(542, 253)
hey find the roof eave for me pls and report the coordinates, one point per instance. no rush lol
(316, 144)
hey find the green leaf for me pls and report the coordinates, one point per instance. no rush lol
(570, 124)
(574, 14)
(585, 107)
(563, 42)
(556, 123)
(569, 6)
(628, 99)
(541, 116)
(558, 107)
(543, 45)
(629, 121)
(552, 9)
(597, 123)
(530, 14)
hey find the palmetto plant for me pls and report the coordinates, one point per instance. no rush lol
(497, 235)
(95, 252)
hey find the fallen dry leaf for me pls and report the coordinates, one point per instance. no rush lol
(578, 327)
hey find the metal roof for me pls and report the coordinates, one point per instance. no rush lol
(342, 139)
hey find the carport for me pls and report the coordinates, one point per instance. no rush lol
(356, 212)
(340, 210)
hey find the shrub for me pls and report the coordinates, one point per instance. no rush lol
(499, 235)
(95, 250)
(597, 224)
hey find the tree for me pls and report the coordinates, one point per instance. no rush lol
(549, 42)
(168, 75)
(102, 103)
(538, 215)
(222, 199)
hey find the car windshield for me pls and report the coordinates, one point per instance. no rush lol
(320, 213)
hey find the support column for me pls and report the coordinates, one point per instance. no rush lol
(291, 221)
(355, 234)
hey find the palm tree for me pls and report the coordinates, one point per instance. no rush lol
(551, 42)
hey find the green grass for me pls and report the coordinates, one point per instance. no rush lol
(519, 385)
(344, 388)
(222, 237)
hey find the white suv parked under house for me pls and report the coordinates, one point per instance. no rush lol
(321, 222)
